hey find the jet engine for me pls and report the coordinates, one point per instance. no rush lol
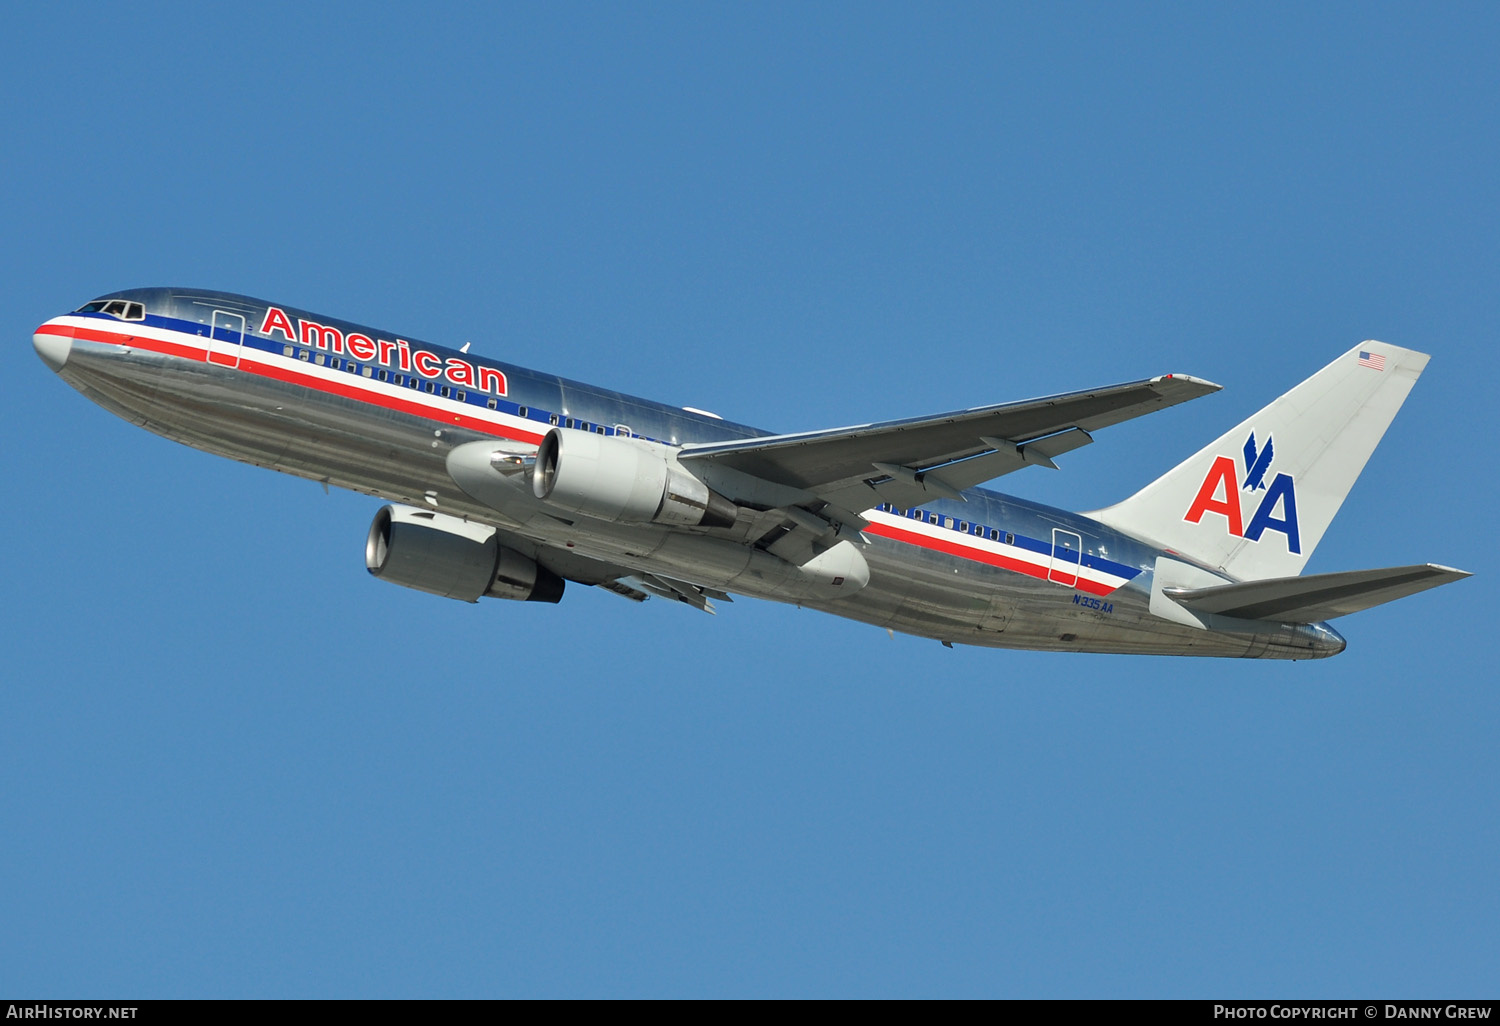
(624, 480)
(446, 556)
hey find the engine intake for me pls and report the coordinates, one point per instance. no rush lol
(446, 556)
(624, 480)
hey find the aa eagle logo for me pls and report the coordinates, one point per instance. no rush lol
(1222, 493)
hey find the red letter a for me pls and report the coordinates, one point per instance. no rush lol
(1221, 474)
(277, 321)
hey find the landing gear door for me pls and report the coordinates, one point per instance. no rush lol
(226, 334)
(997, 616)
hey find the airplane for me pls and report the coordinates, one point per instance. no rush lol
(508, 483)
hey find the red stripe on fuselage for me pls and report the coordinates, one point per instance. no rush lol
(116, 338)
(978, 555)
(352, 390)
(254, 365)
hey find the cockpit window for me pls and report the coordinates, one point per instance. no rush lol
(123, 309)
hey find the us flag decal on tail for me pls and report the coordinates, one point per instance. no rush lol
(1374, 361)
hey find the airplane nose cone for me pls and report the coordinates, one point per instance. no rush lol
(53, 349)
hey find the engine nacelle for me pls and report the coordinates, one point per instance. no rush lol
(446, 556)
(624, 480)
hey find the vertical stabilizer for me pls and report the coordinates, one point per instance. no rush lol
(1255, 502)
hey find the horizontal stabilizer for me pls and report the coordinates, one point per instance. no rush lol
(1316, 598)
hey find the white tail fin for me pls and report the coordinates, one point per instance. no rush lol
(1255, 502)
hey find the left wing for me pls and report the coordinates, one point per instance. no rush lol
(908, 462)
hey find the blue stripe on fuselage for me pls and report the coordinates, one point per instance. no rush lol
(475, 397)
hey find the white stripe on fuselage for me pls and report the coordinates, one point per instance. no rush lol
(1013, 558)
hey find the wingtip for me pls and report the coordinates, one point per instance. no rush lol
(1198, 383)
(1455, 571)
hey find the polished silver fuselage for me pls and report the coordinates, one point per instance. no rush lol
(200, 371)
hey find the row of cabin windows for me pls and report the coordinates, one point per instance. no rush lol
(132, 311)
(952, 523)
(402, 380)
(447, 392)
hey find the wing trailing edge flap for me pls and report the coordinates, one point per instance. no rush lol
(619, 587)
(1005, 457)
(611, 577)
(637, 587)
(1315, 598)
(908, 462)
(677, 591)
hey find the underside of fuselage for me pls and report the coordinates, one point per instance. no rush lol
(296, 427)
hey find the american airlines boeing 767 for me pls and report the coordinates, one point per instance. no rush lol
(509, 483)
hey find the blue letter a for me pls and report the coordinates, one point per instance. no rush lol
(1280, 490)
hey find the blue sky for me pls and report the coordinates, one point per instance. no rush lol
(236, 765)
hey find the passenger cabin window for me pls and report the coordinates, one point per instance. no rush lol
(521, 411)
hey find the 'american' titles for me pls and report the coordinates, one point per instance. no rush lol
(398, 354)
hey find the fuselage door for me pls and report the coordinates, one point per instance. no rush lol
(1067, 549)
(226, 334)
